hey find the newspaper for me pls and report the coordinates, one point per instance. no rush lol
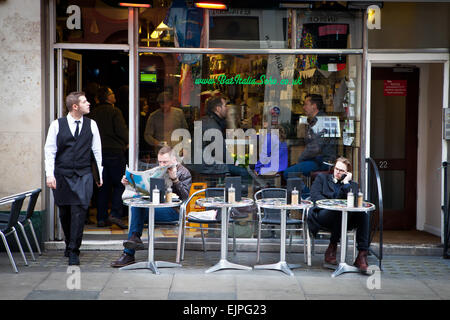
(139, 181)
(203, 215)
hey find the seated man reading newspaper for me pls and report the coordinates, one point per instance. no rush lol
(181, 180)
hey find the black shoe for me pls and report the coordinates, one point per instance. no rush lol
(74, 259)
(118, 222)
(124, 260)
(134, 243)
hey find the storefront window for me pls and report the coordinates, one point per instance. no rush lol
(249, 28)
(91, 21)
(181, 24)
(262, 93)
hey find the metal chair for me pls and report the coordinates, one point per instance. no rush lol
(310, 240)
(272, 217)
(7, 228)
(25, 220)
(209, 192)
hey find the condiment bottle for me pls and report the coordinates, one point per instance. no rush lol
(155, 195)
(360, 199)
(350, 200)
(294, 196)
(169, 195)
(231, 194)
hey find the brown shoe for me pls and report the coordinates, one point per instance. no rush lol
(330, 254)
(124, 260)
(134, 243)
(361, 261)
(117, 222)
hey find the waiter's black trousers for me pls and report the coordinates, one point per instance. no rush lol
(72, 221)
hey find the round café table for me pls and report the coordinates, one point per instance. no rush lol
(219, 202)
(150, 263)
(280, 203)
(341, 205)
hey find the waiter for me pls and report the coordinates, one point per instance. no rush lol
(67, 150)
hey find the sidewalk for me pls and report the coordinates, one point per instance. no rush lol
(403, 277)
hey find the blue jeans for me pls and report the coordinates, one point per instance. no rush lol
(305, 167)
(139, 216)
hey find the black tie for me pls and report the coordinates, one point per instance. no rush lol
(77, 130)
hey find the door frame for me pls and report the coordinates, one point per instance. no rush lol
(383, 57)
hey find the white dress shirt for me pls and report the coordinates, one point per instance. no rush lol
(50, 147)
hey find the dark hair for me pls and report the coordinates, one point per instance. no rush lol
(103, 93)
(213, 102)
(73, 98)
(317, 100)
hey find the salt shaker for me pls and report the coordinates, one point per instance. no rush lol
(294, 196)
(169, 195)
(360, 199)
(231, 194)
(350, 200)
(155, 195)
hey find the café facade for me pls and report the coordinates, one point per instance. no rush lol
(381, 68)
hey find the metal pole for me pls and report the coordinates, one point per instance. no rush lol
(364, 99)
(133, 97)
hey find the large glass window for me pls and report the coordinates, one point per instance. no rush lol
(181, 24)
(262, 93)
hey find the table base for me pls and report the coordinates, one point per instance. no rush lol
(225, 264)
(151, 265)
(281, 266)
(344, 268)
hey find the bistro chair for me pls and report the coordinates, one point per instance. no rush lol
(25, 220)
(7, 228)
(271, 218)
(208, 192)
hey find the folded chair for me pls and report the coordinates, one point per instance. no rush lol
(208, 192)
(25, 220)
(272, 217)
(7, 228)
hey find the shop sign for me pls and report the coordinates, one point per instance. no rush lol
(395, 87)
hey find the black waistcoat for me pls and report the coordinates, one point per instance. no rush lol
(73, 156)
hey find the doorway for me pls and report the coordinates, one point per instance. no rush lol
(87, 71)
(394, 141)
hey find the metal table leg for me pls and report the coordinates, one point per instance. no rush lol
(343, 267)
(282, 265)
(151, 264)
(224, 263)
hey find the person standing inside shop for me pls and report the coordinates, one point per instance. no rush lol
(70, 142)
(318, 149)
(114, 135)
(215, 118)
(162, 122)
(336, 186)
